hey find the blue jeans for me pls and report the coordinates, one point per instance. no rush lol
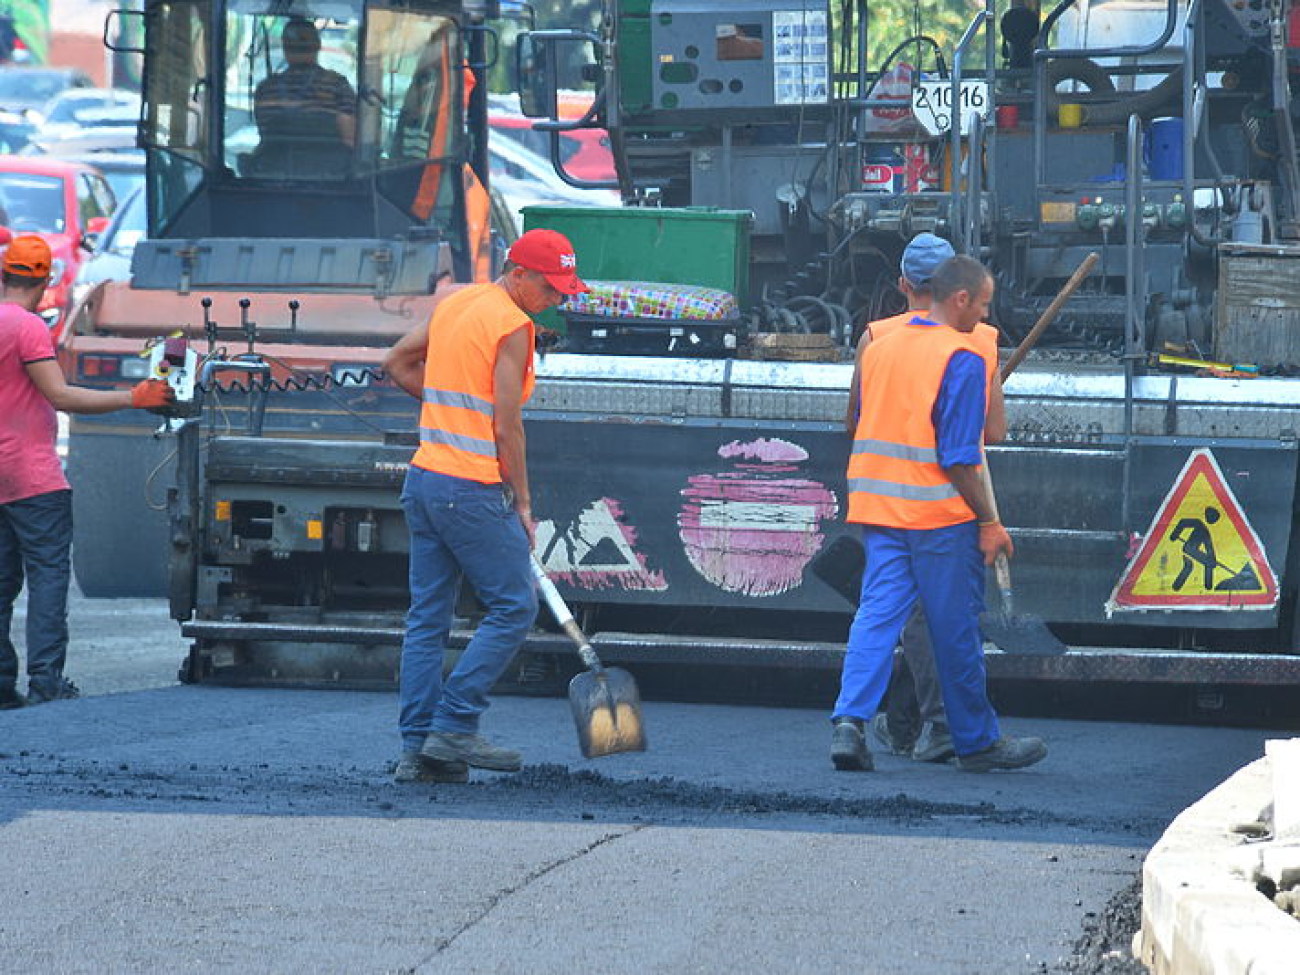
(36, 542)
(943, 566)
(459, 526)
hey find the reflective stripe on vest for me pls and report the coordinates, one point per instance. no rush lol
(911, 492)
(465, 401)
(894, 477)
(457, 435)
(484, 448)
(884, 448)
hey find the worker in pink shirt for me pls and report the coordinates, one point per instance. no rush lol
(35, 498)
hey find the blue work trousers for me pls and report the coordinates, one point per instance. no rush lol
(944, 568)
(460, 527)
(36, 543)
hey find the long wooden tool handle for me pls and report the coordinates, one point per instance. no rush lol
(1000, 566)
(1049, 314)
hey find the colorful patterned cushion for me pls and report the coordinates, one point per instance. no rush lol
(645, 299)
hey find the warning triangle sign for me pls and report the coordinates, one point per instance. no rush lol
(1200, 552)
(597, 550)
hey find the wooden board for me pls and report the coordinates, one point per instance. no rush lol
(1257, 315)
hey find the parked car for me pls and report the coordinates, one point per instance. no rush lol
(62, 202)
(28, 89)
(16, 131)
(123, 168)
(83, 111)
(584, 152)
(111, 259)
(524, 178)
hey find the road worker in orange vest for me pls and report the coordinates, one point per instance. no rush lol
(467, 502)
(914, 723)
(916, 487)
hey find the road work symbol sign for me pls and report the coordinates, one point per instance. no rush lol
(597, 550)
(1200, 551)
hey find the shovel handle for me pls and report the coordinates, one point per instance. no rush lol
(1003, 572)
(1001, 567)
(1049, 314)
(560, 610)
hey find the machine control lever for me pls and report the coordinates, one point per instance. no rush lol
(209, 326)
(249, 327)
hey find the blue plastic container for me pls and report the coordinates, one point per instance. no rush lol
(1164, 149)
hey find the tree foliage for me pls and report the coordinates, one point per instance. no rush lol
(889, 23)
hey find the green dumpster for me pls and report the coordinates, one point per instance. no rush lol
(684, 245)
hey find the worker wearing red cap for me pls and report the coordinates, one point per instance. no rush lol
(35, 498)
(467, 502)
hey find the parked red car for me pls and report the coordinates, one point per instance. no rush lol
(584, 152)
(63, 202)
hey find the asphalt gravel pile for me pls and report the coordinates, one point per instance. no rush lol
(1106, 946)
(589, 787)
(548, 787)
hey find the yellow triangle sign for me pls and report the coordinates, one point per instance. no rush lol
(1200, 551)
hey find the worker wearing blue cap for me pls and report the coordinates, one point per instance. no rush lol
(915, 723)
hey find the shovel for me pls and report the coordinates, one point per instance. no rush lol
(1023, 633)
(605, 701)
(1014, 634)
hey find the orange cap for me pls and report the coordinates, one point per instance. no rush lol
(28, 256)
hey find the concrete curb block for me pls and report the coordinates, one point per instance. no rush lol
(1201, 910)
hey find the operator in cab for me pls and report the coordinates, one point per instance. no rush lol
(467, 502)
(306, 115)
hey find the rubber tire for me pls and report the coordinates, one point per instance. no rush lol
(120, 545)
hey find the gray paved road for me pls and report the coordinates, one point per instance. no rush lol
(199, 829)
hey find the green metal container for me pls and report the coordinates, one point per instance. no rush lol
(688, 245)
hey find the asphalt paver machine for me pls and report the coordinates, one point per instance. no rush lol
(692, 499)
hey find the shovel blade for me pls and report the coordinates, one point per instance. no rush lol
(607, 712)
(1020, 634)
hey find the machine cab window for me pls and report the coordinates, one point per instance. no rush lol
(253, 103)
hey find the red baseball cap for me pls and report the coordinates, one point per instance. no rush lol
(28, 256)
(551, 254)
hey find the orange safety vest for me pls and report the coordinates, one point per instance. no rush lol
(456, 432)
(882, 327)
(985, 336)
(894, 475)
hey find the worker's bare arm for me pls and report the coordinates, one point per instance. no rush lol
(404, 363)
(47, 377)
(513, 355)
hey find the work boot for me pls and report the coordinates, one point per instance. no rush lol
(1005, 753)
(62, 690)
(849, 746)
(10, 699)
(933, 744)
(414, 767)
(475, 750)
(885, 737)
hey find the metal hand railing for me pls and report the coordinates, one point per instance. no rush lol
(1135, 296)
(957, 213)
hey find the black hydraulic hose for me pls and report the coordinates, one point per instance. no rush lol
(1145, 104)
(916, 39)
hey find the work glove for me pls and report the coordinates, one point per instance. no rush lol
(153, 395)
(995, 540)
